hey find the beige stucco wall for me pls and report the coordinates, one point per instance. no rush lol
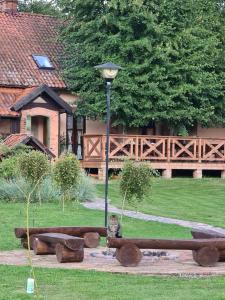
(98, 127)
(211, 132)
(69, 98)
(95, 127)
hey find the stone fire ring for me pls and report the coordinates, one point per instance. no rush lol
(176, 263)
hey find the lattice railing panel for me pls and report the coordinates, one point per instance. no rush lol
(213, 150)
(184, 149)
(152, 148)
(122, 147)
(93, 147)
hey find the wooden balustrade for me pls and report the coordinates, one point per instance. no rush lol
(154, 148)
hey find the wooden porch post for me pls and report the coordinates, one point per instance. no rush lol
(69, 131)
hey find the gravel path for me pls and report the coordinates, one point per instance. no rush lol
(98, 204)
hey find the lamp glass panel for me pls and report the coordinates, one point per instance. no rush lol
(109, 73)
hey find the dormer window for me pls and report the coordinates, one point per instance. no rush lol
(43, 62)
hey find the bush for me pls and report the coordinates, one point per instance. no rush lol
(85, 190)
(34, 166)
(10, 191)
(67, 172)
(4, 150)
(47, 191)
(8, 167)
(18, 149)
(13, 190)
(9, 163)
(135, 181)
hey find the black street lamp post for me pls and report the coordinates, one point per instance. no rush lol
(109, 72)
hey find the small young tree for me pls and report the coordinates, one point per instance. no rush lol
(135, 183)
(34, 166)
(67, 174)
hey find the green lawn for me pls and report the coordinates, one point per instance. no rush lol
(188, 199)
(13, 215)
(200, 200)
(56, 284)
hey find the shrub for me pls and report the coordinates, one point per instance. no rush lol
(18, 149)
(67, 172)
(10, 189)
(4, 150)
(14, 190)
(8, 167)
(135, 182)
(33, 165)
(85, 190)
(48, 191)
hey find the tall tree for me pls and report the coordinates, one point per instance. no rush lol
(171, 51)
(40, 7)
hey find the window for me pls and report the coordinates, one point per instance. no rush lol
(43, 62)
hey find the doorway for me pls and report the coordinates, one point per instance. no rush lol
(40, 129)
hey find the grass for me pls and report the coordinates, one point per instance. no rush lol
(187, 199)
(200, 200)
(56, 284)
(13, 215)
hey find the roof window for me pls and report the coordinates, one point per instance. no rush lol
(43, 62)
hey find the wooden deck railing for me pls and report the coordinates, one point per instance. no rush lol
(161, 148)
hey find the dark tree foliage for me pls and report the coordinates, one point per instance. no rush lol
(40, 7)
(172, 53)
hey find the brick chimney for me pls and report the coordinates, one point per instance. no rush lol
(9, 6)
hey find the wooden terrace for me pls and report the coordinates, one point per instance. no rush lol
(164, 153)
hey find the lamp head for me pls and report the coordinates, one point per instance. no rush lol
(108, 70)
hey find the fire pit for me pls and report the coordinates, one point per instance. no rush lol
(147, 254)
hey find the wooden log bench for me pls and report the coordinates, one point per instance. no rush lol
(91, 235)
(206, 252)
(66, 247)
(209, 234)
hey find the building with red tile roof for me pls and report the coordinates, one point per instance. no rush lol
(24, 35)
(33, 95)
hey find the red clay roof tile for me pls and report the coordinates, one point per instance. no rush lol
(22, 35)
(8, 96)
(14, 139)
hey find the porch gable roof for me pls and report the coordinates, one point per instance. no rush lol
(34, 93)
(21, 138)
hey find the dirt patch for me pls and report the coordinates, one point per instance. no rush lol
(177, 263)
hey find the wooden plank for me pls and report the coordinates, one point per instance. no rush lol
(71, 242)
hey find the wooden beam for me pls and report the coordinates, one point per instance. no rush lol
(74, 231)
(167, 243)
